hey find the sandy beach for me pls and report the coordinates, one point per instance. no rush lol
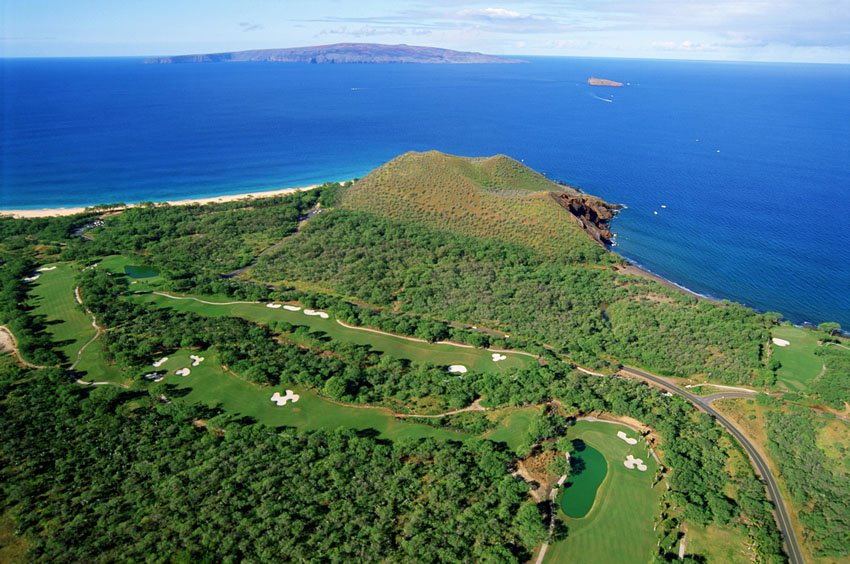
(54, 212)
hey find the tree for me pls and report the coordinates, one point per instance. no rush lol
(830, 327)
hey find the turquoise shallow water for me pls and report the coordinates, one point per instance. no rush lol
(735, 176)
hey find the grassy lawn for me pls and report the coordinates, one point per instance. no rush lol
(52, 296)
(93, 366)
(512, 428)
(718, 544)
(209, 384)
(12, 548)
(441, 354)
(800, 366)
(618, 527)
(834, 439)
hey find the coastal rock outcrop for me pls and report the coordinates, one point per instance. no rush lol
(592, 214)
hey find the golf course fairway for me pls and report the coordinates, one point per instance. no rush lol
(618, 526)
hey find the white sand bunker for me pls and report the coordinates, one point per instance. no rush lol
(160, 362)
(291, 308)
(780, 342)
(32, 278)
(457, 369)
(623, 436)
(183, 372)
(196, 360)
(498, 357)
(281, 400)
(631, 463)
(46, 268)
(274, 306)
(321, 314)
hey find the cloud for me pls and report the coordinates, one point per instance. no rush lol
(371, 31)
(666, 25)
(568, 43)
(745, 23)
(491, 13)
(248, 26)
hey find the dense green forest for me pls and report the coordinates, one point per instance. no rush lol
(356, 374)
(833, 386)
(101, 475)
(819, 485)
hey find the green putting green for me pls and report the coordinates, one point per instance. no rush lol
(619, 525)
(209, 384)
(398, 346)
(800, 364)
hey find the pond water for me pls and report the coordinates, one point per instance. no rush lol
(137, 271)
(588, 470)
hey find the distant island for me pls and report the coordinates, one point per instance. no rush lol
(593, 81)
(341, 53)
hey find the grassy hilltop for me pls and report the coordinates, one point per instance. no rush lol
(494, 197)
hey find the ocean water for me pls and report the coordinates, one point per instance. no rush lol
(736, 176)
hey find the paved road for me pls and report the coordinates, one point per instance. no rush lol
(726, 395)
(792, 548)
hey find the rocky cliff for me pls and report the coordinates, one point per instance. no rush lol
(591, 214)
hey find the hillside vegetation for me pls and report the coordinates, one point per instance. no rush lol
(476, 241)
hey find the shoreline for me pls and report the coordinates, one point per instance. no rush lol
(65, 211)
(634, 269)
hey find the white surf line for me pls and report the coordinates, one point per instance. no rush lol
(747, 390)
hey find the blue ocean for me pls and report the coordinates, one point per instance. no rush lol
(736, 176)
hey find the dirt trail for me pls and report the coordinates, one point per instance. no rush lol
(198, 300)
(356, 328)
(416, 340)
(474, 406)
(8, 342)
